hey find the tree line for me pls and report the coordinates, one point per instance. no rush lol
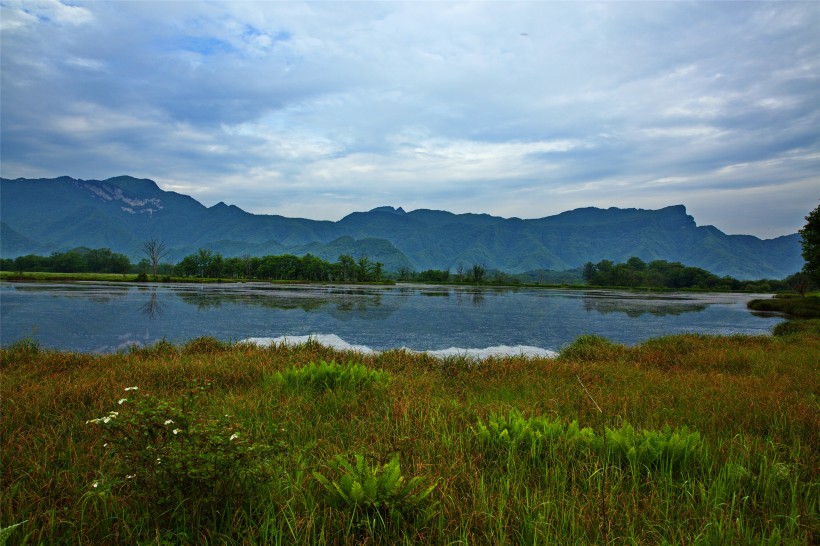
(203, 263)
(206, 263)
(663, 274)
(286, 267)
(78, 260)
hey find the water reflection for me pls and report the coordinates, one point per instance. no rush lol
(338, 301)
(153, 308)
(97, 293)
(105, 317)
(635, 307)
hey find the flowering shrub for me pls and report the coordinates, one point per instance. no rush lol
(179, 464)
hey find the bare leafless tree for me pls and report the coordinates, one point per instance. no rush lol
(155, 250)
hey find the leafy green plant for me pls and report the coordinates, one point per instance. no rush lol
(330, 376)
(531, 435)
(379, 493)
(5, 532)
(166, 456)
(666, 448)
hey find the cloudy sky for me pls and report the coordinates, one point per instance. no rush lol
(318, 109)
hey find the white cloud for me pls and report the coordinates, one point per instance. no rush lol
(522, 109)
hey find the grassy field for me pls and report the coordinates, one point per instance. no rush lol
(709, 440)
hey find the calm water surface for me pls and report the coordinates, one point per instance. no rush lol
(100, 317)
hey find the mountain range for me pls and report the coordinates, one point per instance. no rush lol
(46, 215)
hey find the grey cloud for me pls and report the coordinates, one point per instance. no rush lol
(432, 105)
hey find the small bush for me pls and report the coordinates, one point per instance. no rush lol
(331, 376)
(379, 493)
(591, 348)
(205, 345)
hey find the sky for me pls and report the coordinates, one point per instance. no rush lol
(516, 109)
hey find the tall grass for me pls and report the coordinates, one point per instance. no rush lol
(749, 476)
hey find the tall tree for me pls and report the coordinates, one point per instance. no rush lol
(155, 250)
(811, 244)
(478, 273)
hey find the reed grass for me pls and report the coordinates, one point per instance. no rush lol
(752, 478)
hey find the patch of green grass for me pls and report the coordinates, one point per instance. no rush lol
(748, 476)
(330, 376)
(808, 307)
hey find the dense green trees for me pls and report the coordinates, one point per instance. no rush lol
(286, 267)
(810, 235)
(662, 274)
(78, 260)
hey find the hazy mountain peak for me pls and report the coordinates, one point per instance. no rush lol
(390, 209)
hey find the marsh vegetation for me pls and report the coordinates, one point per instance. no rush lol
(700, 439)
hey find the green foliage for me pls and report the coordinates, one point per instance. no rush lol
(174, 463)
(590, 347)
(331, 376)
(375, 492)
(433, 275)
(810, 239)
(808, 307)
(5, 532)
(663, 274)
(515, 433)
(667, 448)
(78, 260)
(285, 267)
(798, 327)
(20, 352)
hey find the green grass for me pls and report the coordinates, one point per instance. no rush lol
(794, 305)
(709, 440)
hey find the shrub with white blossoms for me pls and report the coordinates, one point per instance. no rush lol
(168, 455)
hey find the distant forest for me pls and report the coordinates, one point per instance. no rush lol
(634, 273)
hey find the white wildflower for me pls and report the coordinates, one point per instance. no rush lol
(234, 436)
(177, 430)
(131, 388)
(168, 422)
(95, 484)
(121, 400)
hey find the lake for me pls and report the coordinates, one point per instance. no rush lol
(107, 317)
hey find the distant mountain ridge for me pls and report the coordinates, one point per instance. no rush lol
(45, 215)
